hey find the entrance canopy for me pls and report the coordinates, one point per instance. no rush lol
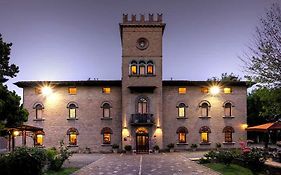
(265, 127)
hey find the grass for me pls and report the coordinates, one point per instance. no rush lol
(231, 169)
(63, 171)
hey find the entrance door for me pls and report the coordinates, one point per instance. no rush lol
(142, 144)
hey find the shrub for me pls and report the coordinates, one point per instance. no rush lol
(254, 159)
(24, 161)
(225, 157)
(115, 146)
(156, 147)
(204, 160)
(128, 147)
(193, 145)
(212, 156)
(218, 145)
(171, 145)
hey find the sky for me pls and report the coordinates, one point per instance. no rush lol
(80, 39)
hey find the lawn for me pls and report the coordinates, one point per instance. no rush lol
(63, 171)
(231, 169)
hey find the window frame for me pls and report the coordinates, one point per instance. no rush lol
(106, 132)
(106, 106)
(72, 133)
(72, 109)
(228, 134)
(72, 90)
(205, 130)
(181, 106)
(205, 105)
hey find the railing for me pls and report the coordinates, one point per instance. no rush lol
(142, 119)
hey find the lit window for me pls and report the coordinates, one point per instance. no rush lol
(182, 90)
(181, 110)
(204, 109)
(39, 139)
(228, 130)
(72, 90)
(38, 110)
(205, 90)
(227, 90)
(227, 109)
(134, 69)
(142, 70)
(72, 133)
(106, 110)
(204, 137)
(182, 131)
(150, 69)
(142, 106)
(106, 135)
(72, 110)
(106, 90)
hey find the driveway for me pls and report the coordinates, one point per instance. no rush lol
(145, 164)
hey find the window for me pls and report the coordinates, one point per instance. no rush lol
(106, 90)
(38, 110)
(72, 90)
(39, 138)
(182, 90)
(106, 110)
(204, 107)
(182, 131)
(150, 66)
(106, 135)
(142, 106)
(72, 134)
(142, 68)
(205, 90)
(181, 110)
(227, 109)
(228, 130)
(227, 90)
(133, 68)
(72, 106)
(204, 134)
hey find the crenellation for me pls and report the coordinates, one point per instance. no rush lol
(142, 18)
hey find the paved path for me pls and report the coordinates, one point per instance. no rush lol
(81, 160)
(145, 164)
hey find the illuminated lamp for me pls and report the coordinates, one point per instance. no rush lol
(46, 90)
(16, 133)
(214, 90)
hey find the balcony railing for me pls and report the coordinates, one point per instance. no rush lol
(142, 119)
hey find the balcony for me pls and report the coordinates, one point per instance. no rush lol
(142, 119)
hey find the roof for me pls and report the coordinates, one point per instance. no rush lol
(25, 128)
(24, 84)
(265, 127)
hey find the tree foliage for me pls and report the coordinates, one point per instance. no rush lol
(264, 61)
(226, 77)
(11, 112)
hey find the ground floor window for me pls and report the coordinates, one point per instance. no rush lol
(228, 130)
(72, 134)
(182, 131)
(204, 134)
(106, 135)
(39, 138)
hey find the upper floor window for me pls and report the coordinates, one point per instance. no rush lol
(150, 68)
(106, 109)
(106, 133)
(38, 110)
(106, 90)
(142, 105)
(72, 107)
(228, 109)
(181, 110)
(72, 90)
(204, 108)
(227, 90)
(142, 68)
(204, 134)
(72, 135)
(182, 90)
(133, 68)
(182, 131)
(228, 130)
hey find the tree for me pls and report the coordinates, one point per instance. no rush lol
(12, 113)
(226, 77)
(263, 64)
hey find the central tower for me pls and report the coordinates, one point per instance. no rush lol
(142, 81)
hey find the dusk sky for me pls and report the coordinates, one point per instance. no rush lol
(80, 39)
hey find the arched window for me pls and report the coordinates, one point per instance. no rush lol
(228, 109)
(72, 113)
(150, 68)
(39, 138)
(133, 68)
(142, 106)
(106, 109)
(228, 130)
(38, 110)
(72, 135)
(142, 68)
(204, 134)
(182, 131)
(204, 108)
(106, 135)
(181, 110)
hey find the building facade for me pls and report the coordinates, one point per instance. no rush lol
(141, 109)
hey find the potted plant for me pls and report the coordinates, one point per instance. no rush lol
(193, 147)
(128, 148)
(156, 149)
(115, 148)
(218, 146)
(171, 147)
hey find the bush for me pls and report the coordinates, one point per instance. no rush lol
(193, 145)
(254, 159)
(171, 145)
(218, 145)
(204, 160)
(225, 157)
(212, 156)
(24, 161)
(156, 147)
(128, 147)
(115, 146)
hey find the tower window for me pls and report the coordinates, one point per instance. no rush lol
(142, 106)
(150, 67)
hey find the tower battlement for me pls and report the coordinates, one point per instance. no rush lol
(142, 18)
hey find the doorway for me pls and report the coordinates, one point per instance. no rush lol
(142, 140)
